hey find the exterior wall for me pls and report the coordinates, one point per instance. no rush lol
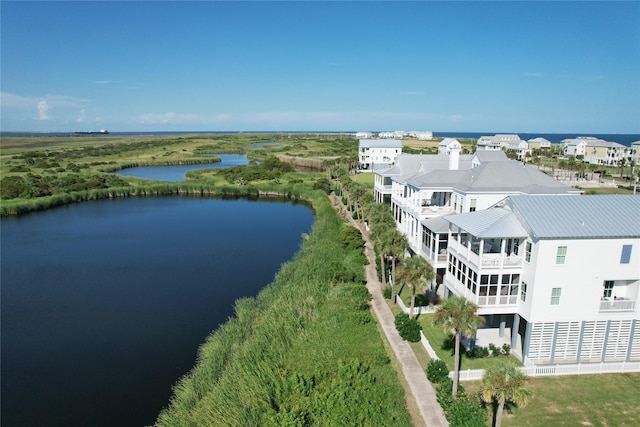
(583, 326)
(588, 263)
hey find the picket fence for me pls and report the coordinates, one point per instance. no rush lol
(553, 370)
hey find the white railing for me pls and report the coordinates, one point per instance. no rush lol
(416, 310)
(551, 370)
(425, 343)
(617, 305)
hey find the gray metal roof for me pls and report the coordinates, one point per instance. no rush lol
(438, 224)
(589, 216)
(500, 176)
(489, 223)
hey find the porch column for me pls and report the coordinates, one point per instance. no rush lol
(553, 343)
(514, 330)
(503, 325)
(527, 341)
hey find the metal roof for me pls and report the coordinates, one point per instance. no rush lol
(489, 223)
(380, 143)
(588, 216)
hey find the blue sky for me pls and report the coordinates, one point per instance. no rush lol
(562, 66)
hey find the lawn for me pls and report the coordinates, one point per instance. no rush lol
(577, 400)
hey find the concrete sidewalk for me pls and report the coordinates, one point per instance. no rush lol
(415, 376)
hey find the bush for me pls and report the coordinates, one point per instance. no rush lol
(506, 349)
(478, 352)
(437, 371)
(386, 292)
(409, 329)
(495, 351)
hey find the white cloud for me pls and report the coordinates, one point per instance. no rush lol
(533, 74)
(43, 110)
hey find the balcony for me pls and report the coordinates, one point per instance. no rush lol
(619, 304)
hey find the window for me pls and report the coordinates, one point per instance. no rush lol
(625, 257)
(555, 296)
(561, 254)
(608, 289)
(527, 252)
(472, 206)
(523, 292)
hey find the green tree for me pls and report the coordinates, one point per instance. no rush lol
(457, 314)
(503, 384)
(415, 272)
(398, 245)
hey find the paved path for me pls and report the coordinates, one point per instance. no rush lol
(423, 391)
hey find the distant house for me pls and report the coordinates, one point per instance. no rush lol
(488, 143)
(376, 154)
(635, 152)
(596, 151)
(421, 135)
(558, 275)
(364, 135)
(499, 141)
(539, 144)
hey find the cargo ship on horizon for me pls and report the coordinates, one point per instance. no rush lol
(93, 132)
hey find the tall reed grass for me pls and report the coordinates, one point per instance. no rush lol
(295, 354)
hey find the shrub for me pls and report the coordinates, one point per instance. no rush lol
(437, 371)
(386, 292)
(506, 349)
(478, 352)
(409, 329)
(495, 351)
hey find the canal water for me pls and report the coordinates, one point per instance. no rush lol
(105, 303)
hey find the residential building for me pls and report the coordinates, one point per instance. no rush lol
(635, 152)
(422, 188)
(596, 151)
(539, 144)
(558, 276)
(499, 141)
(364, 135)
(374, 154)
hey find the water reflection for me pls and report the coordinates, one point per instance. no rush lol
(177, 173)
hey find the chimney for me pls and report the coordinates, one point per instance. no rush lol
(454, 156)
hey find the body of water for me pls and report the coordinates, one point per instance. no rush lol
(105, 303)
(177, 173)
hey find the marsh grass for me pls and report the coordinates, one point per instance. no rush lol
(301, 352)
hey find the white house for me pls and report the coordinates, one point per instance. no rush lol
(635, 152)
(421, 135)
(364, 135)
(558, 275)
(596, 151)
(374, 154)
(422, 188)
(500, 141)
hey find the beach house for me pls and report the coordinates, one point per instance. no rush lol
(375, 154)
(558, 276)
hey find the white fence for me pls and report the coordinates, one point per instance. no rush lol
(551, 370)
(416, 310)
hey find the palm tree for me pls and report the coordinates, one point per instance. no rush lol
(504, 383)
(398, 245)
(415, 272)
(459, 314)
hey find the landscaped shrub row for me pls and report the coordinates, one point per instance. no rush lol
(465, 410)
(409, 329)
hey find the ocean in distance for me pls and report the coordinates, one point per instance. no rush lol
(555, 138)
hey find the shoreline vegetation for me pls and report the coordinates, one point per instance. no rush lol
(306, 350)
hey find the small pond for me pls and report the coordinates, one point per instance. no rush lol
(177, 173)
